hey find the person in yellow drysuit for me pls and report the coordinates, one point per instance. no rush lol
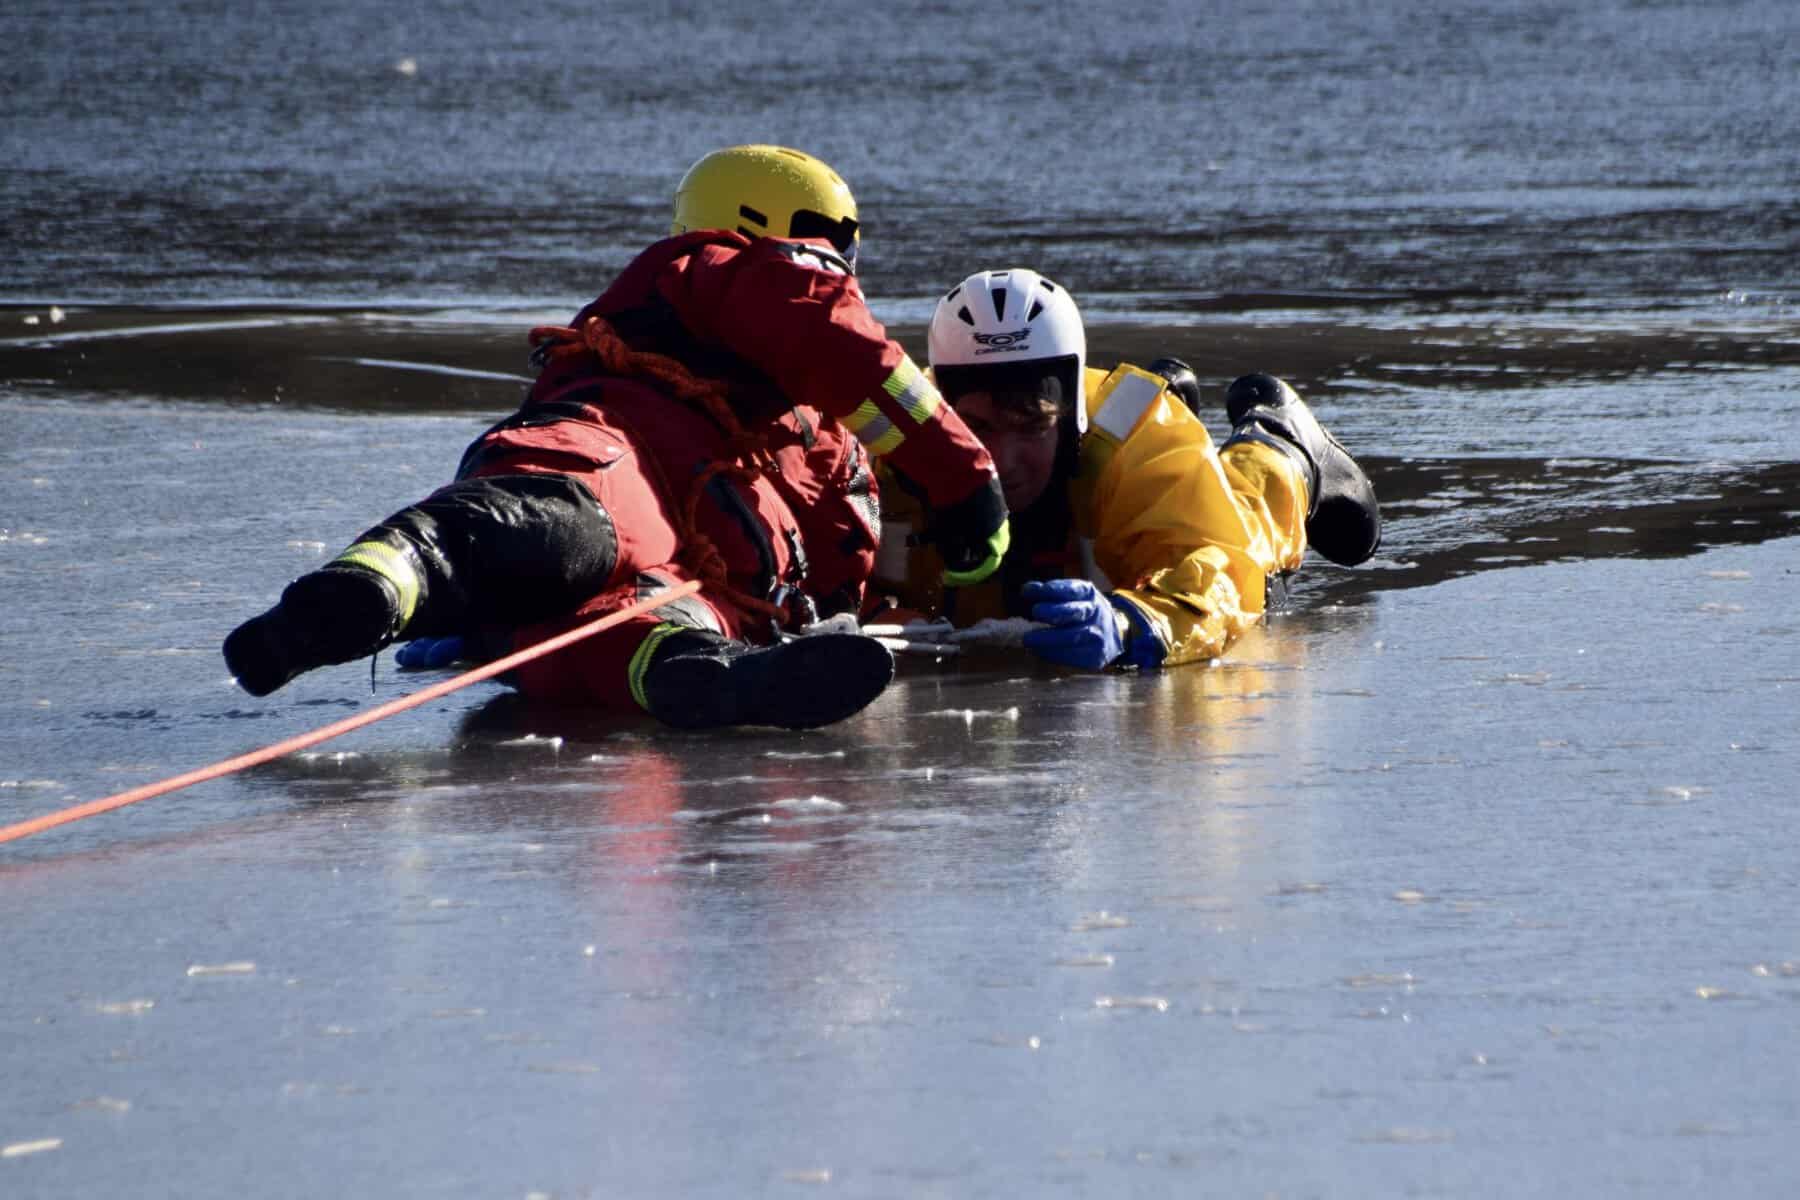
(1134, 541)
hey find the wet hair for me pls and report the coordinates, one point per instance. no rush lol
(1034, 392)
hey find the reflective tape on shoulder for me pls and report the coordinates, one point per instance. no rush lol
(909, 387)
(1126, 404)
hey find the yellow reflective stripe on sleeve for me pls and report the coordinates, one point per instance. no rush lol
(873, 429)
(392, 565)
(1130, 398)
(909, 387)
(859, 420)
(640, 660)
(888, 442)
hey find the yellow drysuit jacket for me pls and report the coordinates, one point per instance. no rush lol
(1186, 534)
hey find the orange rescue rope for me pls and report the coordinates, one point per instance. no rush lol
(750, 452)
(24, 829)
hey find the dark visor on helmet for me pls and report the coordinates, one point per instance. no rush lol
(840, 233)
(1052, 379)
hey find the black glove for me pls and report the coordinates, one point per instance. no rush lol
(971, 535)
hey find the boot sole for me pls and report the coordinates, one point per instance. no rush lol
(801, 684)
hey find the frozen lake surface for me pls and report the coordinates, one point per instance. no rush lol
(1361, 911)
(1470, 874)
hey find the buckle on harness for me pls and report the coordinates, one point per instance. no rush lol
(798, 607)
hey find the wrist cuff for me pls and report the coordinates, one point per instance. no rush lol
(1143, 649)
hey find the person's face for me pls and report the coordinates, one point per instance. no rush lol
(1023, 446)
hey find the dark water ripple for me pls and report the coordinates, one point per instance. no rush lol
(1501, 150)
(1448, 519)
(1494, 441)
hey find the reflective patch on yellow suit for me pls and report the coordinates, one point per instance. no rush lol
(640, 660)
(873, 429)
(392, 565)
(909, 387)
(1124, 399)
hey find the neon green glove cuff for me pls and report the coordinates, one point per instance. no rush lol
(997, 545)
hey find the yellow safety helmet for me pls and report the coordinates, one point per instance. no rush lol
(772, 190)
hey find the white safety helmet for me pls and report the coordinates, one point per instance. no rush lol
(995, 322)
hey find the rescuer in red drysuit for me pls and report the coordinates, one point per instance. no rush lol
(710, 416)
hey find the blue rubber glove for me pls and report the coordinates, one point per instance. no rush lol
(1084, 626)
(429, 653)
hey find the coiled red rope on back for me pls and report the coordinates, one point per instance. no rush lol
(750, 452)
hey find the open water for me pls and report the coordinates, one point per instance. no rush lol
(1470, 874)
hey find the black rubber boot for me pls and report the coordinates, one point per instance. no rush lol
(1182, 381)
(334, 615)
(1343, 522)
(700, 680)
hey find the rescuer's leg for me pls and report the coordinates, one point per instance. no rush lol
(696, 663)
(1343, 522)
(494, 552)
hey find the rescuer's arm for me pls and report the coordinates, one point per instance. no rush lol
(792, 310)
